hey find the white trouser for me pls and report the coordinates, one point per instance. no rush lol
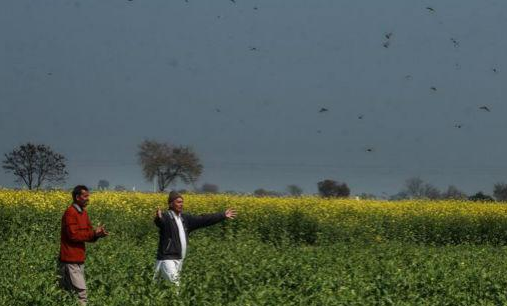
(169, 269)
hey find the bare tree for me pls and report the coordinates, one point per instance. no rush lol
(167, 163)
(35, 165)
(431, 192)
(153, 157)
(453, 192)
(415, 188)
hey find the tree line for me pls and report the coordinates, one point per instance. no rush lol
(163, 164)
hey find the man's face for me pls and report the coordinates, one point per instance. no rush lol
(83, 198)
(177, 205)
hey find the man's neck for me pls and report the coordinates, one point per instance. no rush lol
(175, 213)
(78, 207)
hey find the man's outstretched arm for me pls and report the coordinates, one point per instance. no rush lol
(195, 222)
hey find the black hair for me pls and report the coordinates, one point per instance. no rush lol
(77, 191)
(173, 195)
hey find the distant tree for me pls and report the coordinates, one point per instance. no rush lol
(481, 197)
(209, 188)
(261, 192)
(402, 195)
(431, 192)
(367, 196)
(165, 163)
(500, 191)
(103, 185)
(454, 193)
(34, 165)
(330, 188)
(294, 190)
(119, 188)
(416, 188)
(182, 191)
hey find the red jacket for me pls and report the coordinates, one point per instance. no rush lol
(76, 230)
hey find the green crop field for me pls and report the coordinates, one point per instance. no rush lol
(305, 251)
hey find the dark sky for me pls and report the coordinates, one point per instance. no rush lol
(94, 78)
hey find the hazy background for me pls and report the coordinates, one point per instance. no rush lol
(94, 78)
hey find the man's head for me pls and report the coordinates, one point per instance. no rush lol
(175, 202)
(80, 195)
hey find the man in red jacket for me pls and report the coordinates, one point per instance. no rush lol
(76, 230)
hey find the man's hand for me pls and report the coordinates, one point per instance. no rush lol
(230, 213)
(100, 231)
(158, 214)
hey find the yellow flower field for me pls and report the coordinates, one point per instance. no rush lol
(417, 220)
(140, 203)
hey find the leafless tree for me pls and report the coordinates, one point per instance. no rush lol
(34, 165)
(166, 163)
(453, 192)
(414, 187)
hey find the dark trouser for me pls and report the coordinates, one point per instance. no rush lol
(73, 279)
